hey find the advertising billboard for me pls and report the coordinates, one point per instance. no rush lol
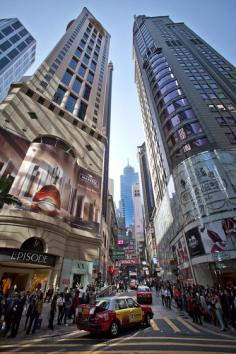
(46, 179)
(194, 242)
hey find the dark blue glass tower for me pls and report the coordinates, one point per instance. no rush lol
(127, 180)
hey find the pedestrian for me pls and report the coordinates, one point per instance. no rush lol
(53, 310)
(61, 308)
(67, 306)
(34, 318)
(18, 314)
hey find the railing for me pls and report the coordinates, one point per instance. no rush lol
(107, 291)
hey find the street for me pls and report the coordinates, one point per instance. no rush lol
(171, 331)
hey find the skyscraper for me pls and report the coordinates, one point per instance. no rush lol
(138, 220)
(188, 101)
(17, 53)
(53, 145)
(127, 180)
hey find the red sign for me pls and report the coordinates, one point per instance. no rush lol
(129, 261)
(121, 242)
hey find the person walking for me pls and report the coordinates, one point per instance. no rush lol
(61, 308)
(53, 310)
(36, 312)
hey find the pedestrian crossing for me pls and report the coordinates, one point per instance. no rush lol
(175, 325)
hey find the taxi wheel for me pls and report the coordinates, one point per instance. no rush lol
(114, 329)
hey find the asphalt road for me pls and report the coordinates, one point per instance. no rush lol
(171, 332)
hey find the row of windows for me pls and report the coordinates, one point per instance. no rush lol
(70, 102)
(183, 133)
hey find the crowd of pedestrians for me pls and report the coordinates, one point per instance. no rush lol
(19, 306)
(216, 305)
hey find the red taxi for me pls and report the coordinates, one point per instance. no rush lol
(144, 295)
(112, 314)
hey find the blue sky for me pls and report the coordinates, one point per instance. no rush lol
(214, 20)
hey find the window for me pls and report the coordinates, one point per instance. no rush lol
(221, 121)
(78, 52)
(70, 104)
(82, 110)
(3, 62)
(95, 56)
(21, 46)
(4, 46)
(169, 86)
(13, 53)
(82, 70)
(172, 95)
(59, 94)
(82, 43)
(121, 304)
(212, 95)
(131, 303)
(77, 85)
(87, 91)
(15, 38)
(7, 30)
(93, 65)
(90, 77)
(29, 39)
(89, 50)
(73, 63)
(221, 95)
(86, 59)
(221, 107)
(197, 86)
(16, 25)
(212, 85)
(23, 32)
(230, 107)
(212, 107)
(204, 96)
(66, 78)
(231, 137)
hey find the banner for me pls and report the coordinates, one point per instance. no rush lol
(194, 242)
(48, 180)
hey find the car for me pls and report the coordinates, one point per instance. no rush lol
(133, 284)
(144, 295)
(112, 314)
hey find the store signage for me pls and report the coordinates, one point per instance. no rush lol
(26, 256)
(129, 261)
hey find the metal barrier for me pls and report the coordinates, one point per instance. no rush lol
(108, 291)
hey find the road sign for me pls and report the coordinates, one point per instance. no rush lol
(118, 254)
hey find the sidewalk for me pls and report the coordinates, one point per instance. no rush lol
(43, 332)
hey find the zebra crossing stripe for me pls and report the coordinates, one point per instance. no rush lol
(188, 325)
(154, 325)
(172, 325)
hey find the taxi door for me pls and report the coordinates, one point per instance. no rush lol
(122, 312)
(136, 313)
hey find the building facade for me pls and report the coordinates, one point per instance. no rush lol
(17, 53)
(127, 180)
(52, 167)
(138, 222)
(149, 208)
(187, 96)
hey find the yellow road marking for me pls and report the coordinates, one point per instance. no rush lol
(128, 344)
(154, 325)
(172, 325)
(157, 338)
(129, 352)
(188, 325)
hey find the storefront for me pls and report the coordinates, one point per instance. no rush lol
(75, 273)
(27, 268)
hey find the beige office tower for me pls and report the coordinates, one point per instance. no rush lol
(53, 136)
(188, 101)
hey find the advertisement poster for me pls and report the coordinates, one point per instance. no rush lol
(219, 236)
(194, 241)
(180, 251)
(48, 180)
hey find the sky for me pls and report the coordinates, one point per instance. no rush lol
(213, 20)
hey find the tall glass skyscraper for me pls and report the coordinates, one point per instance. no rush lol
(187, 92)
(127, 180)
(17, 53)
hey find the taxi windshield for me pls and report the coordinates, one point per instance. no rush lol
(144, 289)
(105, 304)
